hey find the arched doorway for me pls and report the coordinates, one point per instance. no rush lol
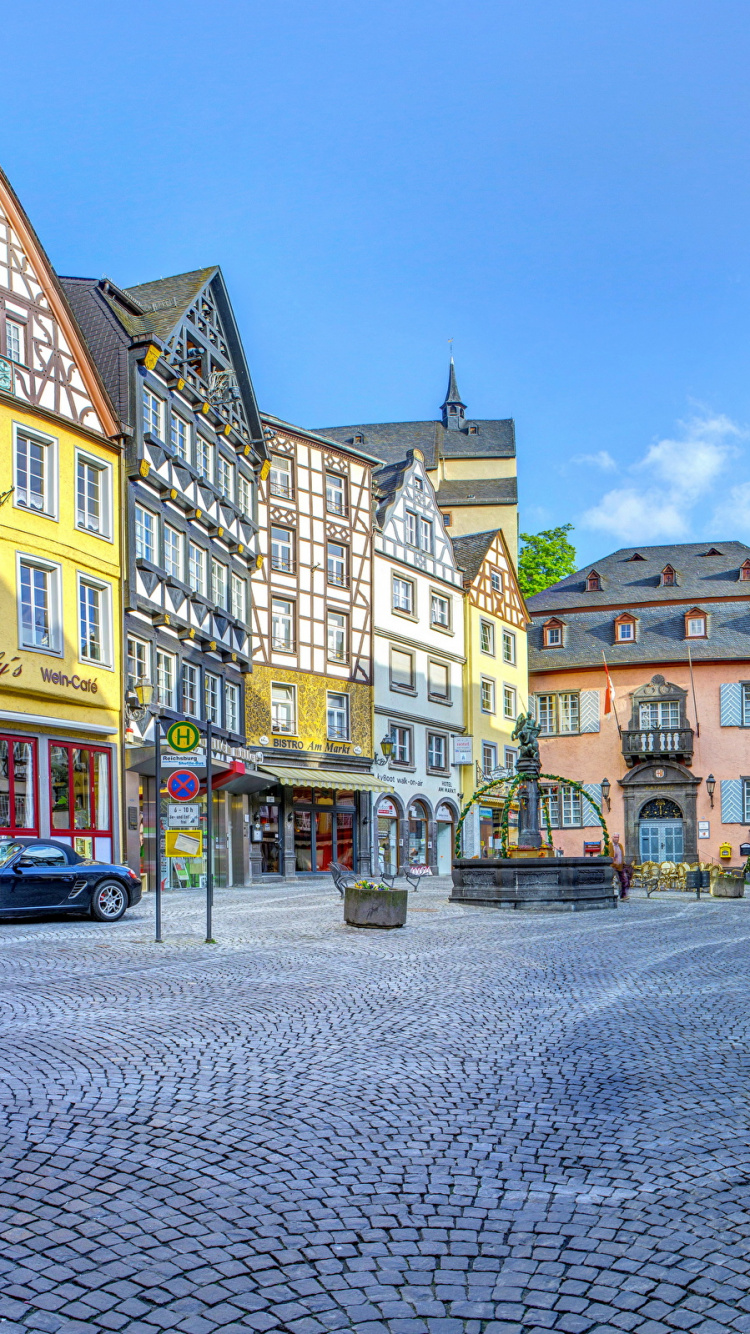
(418, 834)
(387, 837)
(445, 820)
(661, 831)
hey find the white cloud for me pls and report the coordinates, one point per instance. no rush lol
(602, 459)
(736, 505)
(677, 475)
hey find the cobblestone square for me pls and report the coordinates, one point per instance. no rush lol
(486, 1123)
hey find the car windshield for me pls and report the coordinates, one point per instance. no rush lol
(8, 849)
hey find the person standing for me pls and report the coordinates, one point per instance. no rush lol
(622, 870)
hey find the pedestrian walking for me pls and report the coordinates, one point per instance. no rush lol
(622, 869)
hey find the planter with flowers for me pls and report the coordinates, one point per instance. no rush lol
(728, 884)
(368, 903)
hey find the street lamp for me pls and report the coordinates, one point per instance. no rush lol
(386, 746)
(606, 785)
(139, 698)
(711, 788)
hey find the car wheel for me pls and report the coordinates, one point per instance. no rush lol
(109, 901)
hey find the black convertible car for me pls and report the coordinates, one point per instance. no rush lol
(39, 875)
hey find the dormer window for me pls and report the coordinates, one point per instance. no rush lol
(552, 634)
(668, 577)
(636, 556)
(473, 430)
(418, 484)
(359, 440)
(712, 551)
(695, 624)
(625, 628)
(593, 582)
(745, 572)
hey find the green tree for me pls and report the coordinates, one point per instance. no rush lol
(545, 558)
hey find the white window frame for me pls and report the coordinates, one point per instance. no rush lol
(403, 741)
(16, 323)
(148, 399)
(510, 701)
(212, 698)
(691, 633)
(435, 599)
(568, 712)
(219, 584)
(232, 707)
(489, 748)
(277, 644)
(146, 673)
(487, 681)
(410, 528)
(162, 656)
(568, 812)
(204, 452)
(625, 632)
(49, 444)
(485, 625)
(426, 536)
(509, 648)
(152, 559)
(431, 764)
(225, 475)
(333, 732)
(496, 581)
(342, 629)
(192, 709)
(397, 581)
(339, 487)
(200, 564)
(104, 469)
(238, 596)
(431, 692)
(244, 495)
(746, 800)
(175, 417)
(553, 636)
(179, 573)
(281, 477)
(54, 586)
(290, 692)
(105, 590)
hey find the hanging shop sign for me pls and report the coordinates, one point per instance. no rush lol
(463, 749)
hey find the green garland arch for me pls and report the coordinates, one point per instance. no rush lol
(505, 818)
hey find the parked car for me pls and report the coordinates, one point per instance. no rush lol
(40, 875)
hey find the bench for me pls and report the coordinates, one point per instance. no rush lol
(414, 874)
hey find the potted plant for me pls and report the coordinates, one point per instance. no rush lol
(367, 903)
(728, 884)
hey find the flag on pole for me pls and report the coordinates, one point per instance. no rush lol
(610, 698)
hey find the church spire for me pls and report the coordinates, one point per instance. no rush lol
(453, 409)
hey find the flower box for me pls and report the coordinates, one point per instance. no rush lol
(728, 886)
(373, 907)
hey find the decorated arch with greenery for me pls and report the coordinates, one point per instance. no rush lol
(505, 817)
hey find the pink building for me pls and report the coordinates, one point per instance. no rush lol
(673, 624)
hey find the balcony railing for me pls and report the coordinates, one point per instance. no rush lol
(338, 733)
(648, 743)
(282, 645)
(339, 578)
(281, 490)
(283, 563)
(336, 506)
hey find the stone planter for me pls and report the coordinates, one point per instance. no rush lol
(383, 908)
(728, 887)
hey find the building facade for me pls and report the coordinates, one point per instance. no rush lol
(419, 668)
(496, 682)
(171, 356)
(670, 761)
(60, 522)
(471, 462)
(309, 699)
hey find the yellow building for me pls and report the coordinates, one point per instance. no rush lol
(60, 607)
(496, 673)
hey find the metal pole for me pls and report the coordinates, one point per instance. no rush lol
(157, 856)
(209, 839)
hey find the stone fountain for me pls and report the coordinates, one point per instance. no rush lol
(530, 879)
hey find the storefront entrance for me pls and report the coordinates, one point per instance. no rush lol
(661, 831)
(267, 832)
(324, 829)
(444, 818)
(387, 837)
(418, 827)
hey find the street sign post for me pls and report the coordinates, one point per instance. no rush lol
(183, 736)
(184, 785)
(184, 842)
(195, 760)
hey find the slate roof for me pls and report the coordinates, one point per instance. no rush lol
(660, 635)
(165, 300)
(487, 491)
(317, 436)
(628, 583)
(471, 550)
(107, 341)
(451, 394)
(390, 441)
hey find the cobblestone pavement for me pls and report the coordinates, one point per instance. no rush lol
(482, 1124)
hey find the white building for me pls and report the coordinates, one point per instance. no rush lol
(418, 620)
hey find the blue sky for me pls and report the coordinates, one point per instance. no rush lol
(563, 190)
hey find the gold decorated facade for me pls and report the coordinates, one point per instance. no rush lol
(311, 733)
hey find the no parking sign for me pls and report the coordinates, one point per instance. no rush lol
(183, 785)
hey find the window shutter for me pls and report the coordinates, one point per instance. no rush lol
(588, 814)
(731, 704)
(589, 710)
(534, 708)
(731, 800)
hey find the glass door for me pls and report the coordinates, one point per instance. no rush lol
(662, 841)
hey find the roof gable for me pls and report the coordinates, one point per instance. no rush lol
(490, 577)
(54, 369)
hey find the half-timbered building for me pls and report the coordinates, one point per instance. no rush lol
(496, 674)
(419, 668)
(309, 701)
(171, 356)
(60, 642)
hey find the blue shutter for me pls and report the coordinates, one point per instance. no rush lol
(731, 704)
(588, 814)
(589, 708)
(731, 800)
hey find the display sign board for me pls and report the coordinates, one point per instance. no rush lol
(704, 828)
(183, 817)
(183, 736)
(195, 761)
(184, 785)
(183, 843)
(463, 749)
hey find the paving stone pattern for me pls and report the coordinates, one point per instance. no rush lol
(482, 1124)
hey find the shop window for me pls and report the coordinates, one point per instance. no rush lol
(40, 614)
(18, 786)
(93, 495)
(335, 493)
(418, 831)
(266, 832)
(388, 858)
(80, 788)
(280, 477)
(35, 480)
